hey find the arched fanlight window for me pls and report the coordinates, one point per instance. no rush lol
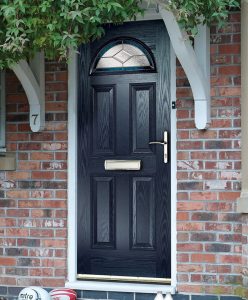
(123, 55)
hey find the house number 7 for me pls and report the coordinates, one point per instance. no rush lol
(35, 116)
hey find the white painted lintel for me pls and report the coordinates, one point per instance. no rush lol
(32, 78)
(195, 62)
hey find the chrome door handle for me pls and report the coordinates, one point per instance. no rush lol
(164, 144)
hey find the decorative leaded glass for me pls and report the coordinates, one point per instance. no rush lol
(124, 55)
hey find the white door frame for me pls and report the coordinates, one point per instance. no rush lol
(72, 190)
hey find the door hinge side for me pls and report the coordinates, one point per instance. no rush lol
(173, 105)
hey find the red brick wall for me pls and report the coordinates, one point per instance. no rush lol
(209, 229)
(33, 206)
(245, 254)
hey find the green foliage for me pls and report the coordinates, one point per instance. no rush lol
(54, 26)
(191, 13)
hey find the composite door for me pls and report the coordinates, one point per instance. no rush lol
(123, 210)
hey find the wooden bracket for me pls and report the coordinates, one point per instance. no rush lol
(195, 62)
(32, 78)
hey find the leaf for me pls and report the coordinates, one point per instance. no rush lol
(30, 26)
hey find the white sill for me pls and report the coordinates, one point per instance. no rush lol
(120, 287)
(2, 149)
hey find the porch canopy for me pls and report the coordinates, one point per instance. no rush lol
(194, 60)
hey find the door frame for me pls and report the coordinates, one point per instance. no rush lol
(72, 281)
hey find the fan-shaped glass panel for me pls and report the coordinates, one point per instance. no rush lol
(123, 55)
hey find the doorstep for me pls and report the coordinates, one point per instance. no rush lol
(120, 287)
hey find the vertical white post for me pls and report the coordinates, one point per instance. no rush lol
(242, 206)
(202, 51)
(72, 168)
(173, 151)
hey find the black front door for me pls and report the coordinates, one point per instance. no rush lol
(124, 215)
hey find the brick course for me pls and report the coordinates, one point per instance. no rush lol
(33, 234)
(212, 238)
(209, 235)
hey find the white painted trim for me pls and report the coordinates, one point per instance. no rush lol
(202, 52)
(37, 65)
(242, 202)
(72, 167)
(33, 82)
(72, 188)
(2, 111)
(187, 56)
(121, 287)
(173, 155)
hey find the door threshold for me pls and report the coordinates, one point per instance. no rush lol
(120, 287)
(124, 279)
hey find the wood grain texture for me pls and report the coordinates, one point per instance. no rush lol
(124, 216)
(103, 212)
(143, 116)
(163, 207)
(103, 118)
(143, 214)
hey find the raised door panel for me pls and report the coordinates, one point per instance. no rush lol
(143, 116)
(143, 214)
(103, 102)
(103, 212)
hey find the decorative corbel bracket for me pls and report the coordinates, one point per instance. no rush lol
(195, 62)
(32, 78)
